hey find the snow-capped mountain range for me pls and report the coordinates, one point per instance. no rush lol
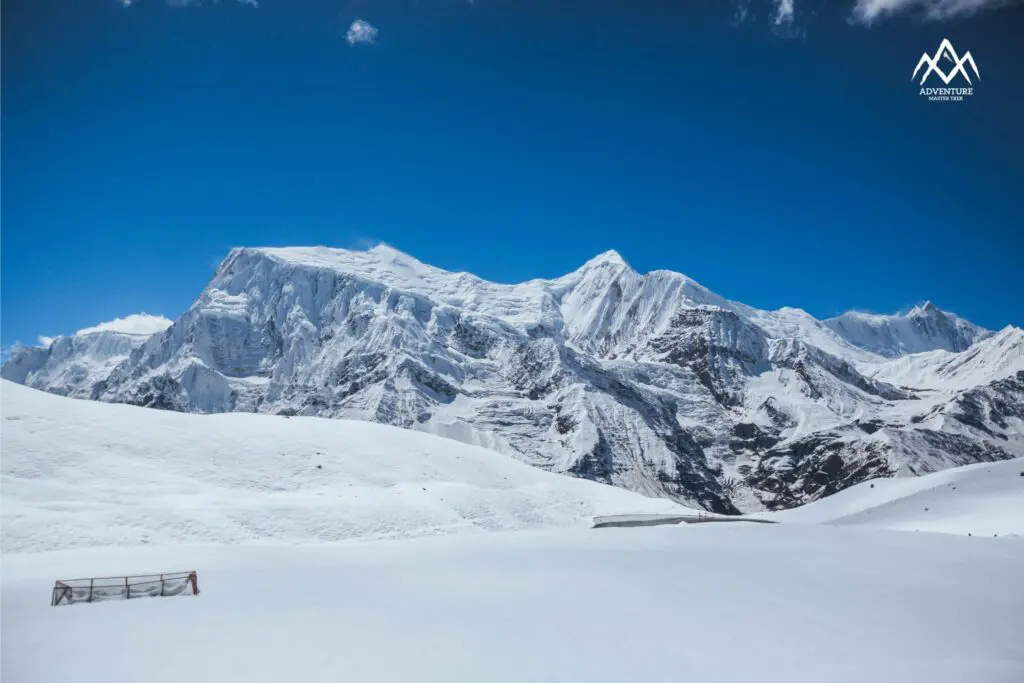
(650, 382)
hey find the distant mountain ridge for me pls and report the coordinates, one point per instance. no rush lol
(924, 328)
(650, 382)
(73, 364)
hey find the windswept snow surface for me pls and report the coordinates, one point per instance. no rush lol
(241, 500)
(986, 499)
(84, 474)
(710, 603)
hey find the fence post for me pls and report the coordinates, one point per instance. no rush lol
(127, 589)
(163, 584)
(91, 582)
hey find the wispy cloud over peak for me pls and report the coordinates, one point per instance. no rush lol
(137, 323)
(360, 32)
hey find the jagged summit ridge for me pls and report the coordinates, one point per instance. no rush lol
(647, 381)
(925, 327)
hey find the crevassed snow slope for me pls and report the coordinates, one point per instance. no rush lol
(982, 500)
(710, 603)
(82, 473)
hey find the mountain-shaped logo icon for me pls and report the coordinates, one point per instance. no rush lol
(946, 52)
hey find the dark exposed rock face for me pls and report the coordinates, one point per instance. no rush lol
(718, 346)
(824, 463)
(751, 437)
(814, 467)
(997, 403)
(161, 392)
(817, 369)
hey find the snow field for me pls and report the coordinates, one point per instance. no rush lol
(87, 474)
(709, 603)
(255, 504)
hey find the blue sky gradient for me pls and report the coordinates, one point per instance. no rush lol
(510, 138)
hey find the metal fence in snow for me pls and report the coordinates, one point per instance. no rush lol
(124, 587)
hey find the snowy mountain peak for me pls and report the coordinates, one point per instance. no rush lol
(925, 327)
(388, 254)
(381, 256)
(1010, 333)
(609, 258)
(926, 308)
(387, 251)
(650, 382)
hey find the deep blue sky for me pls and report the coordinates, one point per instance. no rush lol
(510, 138)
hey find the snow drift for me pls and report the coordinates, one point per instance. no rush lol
(85, 474)
(780, 603)
(769, 602)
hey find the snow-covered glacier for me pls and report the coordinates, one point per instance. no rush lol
(646, 381)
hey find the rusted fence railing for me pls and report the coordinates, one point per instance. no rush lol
(124, 587)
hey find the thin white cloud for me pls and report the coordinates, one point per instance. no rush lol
(783, 12)
(741, 11)
(360, 32)
(868, 11)
(185, 3)
(45, 341)
(780, 16)
(137, 323)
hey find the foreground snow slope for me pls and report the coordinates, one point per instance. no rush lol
(983, 500)
(83, 473)
(709, 603)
